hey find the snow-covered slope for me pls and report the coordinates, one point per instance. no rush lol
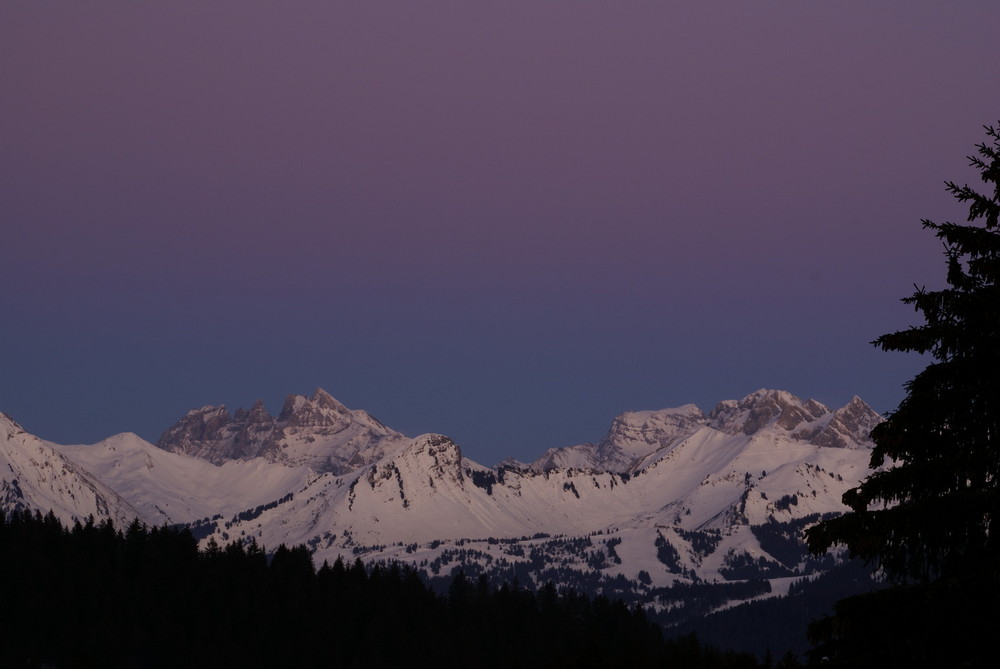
(36, 477)
(176, 488)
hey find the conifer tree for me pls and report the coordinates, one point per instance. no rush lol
(927, 510)
(925, 515)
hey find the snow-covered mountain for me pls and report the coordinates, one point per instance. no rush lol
(633, 436)
(636, 437)
(768, 457)
(175, 488)
(666, 497)
(34, 476)
(318, 432)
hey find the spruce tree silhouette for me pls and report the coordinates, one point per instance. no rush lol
(924, 516)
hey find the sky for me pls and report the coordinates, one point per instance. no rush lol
(503, 222)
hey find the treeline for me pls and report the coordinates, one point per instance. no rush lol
(96, 596)
(778, 625)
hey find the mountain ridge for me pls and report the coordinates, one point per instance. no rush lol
(34, 476)
(636, 436)
(667, 499)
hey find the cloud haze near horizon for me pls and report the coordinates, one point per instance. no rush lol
(503, 223)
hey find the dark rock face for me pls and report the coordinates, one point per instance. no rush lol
(210, 433)
(319, 432)
(251, 430)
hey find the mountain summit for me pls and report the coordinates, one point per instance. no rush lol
(637, 438)
(34, 476)
(318, 432)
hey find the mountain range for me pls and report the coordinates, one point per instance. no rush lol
(666, 499)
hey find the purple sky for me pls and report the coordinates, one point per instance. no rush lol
(505, 222)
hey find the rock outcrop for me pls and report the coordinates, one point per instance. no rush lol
(316, 431)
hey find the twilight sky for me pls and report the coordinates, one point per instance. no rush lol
(505, 222)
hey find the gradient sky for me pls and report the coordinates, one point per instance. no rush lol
(504, 222)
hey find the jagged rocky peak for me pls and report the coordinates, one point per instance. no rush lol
(762, 408)
(849, 427)
(316, 431)
(197, 431)
(213, 434)
(320, 410)
(858, 413)
(255, 414)
(321, 414)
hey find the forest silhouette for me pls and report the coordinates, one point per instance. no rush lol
(96, 596)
